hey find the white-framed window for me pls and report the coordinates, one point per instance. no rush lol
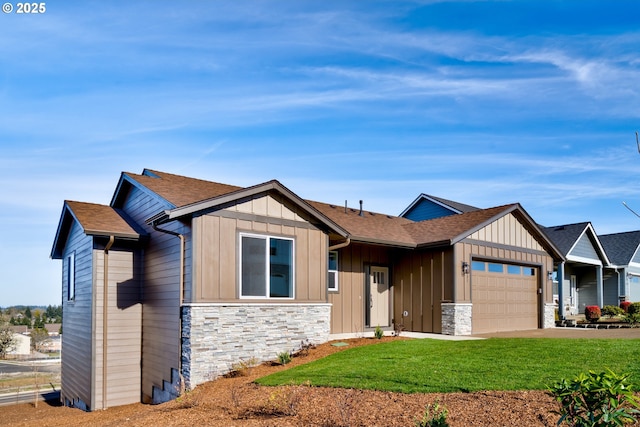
(332, 273)
(71, 276)
(266, 266)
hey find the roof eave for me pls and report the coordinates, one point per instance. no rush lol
(382, 242)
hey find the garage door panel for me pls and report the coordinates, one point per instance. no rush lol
(504, 301)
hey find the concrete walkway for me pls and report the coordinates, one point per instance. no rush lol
(629, 333)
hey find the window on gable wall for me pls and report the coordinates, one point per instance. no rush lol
(332, 275)
(71, 277)
(266, 267)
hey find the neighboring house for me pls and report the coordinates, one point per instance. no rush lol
(196, 276)
(426, 207)
(581, 278)
(53, 329)
(22, 346)
(624, 254)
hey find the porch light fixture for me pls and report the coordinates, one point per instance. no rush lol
(549, 275)
(465, 267)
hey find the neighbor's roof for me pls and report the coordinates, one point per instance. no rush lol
(455, 207)
(95, 220)
(566, 236)
(621, 247)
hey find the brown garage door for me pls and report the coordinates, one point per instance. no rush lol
(504, 297)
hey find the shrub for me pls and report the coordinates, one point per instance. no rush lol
(632, 319)
(284, 357)
(596, 399)
(379, 333)
(634, 308)
(612, 311)
(434, 416)
(592, 313)
(625, 306)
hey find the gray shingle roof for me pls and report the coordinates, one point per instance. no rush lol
(455, 205)
(565, 236)
(620, 247)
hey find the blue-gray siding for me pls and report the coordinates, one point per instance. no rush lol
(584, 249)
(160, 293)
(425, 209)
(78, 318)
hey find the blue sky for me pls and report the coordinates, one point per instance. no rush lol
(486, 103)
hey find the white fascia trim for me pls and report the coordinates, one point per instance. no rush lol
(584, 260)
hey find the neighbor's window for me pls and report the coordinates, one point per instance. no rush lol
(71, 277)
(266, 267)
(332, 276)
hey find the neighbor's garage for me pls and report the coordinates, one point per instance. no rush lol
(504, 297)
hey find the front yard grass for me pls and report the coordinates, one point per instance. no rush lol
(431, 366)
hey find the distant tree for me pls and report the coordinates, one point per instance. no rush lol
(39, 336)
(7, 340)
(27, 312)
(38, 321)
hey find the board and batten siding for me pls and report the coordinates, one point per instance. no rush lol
(77, 355)
(421, 281)
(216, 242)
(160, 291)
(348, 303)
(124, 335)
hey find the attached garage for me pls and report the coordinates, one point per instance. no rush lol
(505, 297)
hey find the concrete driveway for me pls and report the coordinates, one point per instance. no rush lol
(627, 333)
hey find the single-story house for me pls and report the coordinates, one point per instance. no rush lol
(581, 277)
(623, 250)
(178, 278)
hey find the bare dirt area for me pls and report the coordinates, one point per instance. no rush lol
(237, 401)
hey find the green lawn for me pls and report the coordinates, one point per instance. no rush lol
(426, 365)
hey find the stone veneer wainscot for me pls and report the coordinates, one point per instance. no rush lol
(215, 336)
(456, 318)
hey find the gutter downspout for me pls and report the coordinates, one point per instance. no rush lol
(344, 244)
(340, 245)
(181, 291)
(105, 311)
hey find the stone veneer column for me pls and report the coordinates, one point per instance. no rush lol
(216, 336)
(549, 320)
(456, 318)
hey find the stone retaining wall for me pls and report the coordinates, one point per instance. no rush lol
(217, 336)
